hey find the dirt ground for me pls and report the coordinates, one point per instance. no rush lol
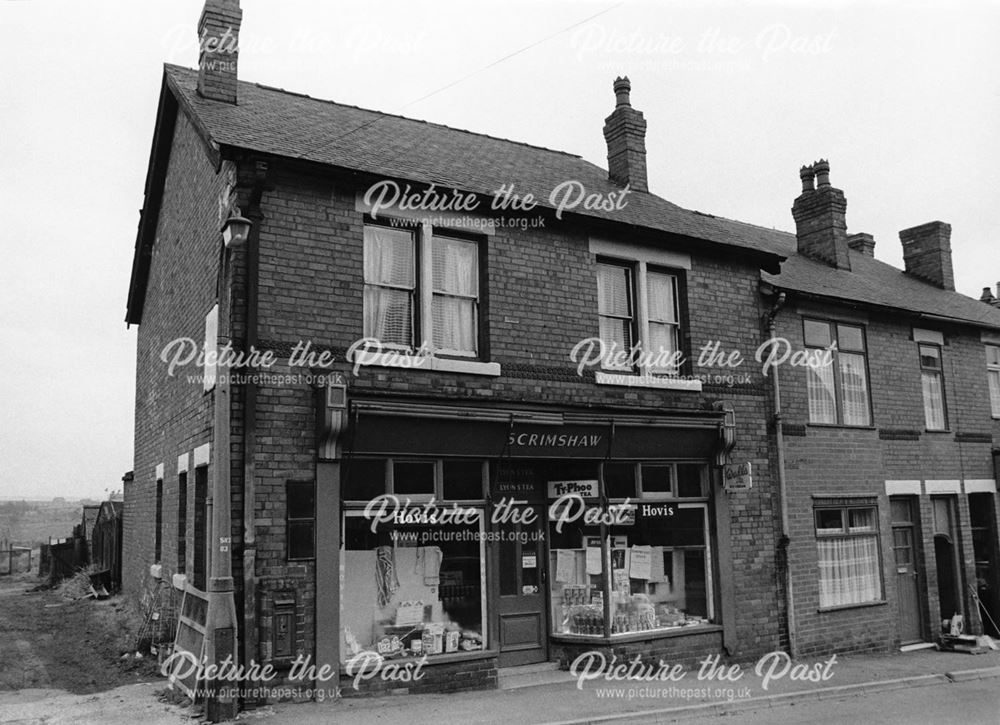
(50, 641)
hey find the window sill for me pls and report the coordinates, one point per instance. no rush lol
(430, 363)
(646, 381)
(627, 637)
(839, 426)
(937, 430)
(863, 605)
(438, 659)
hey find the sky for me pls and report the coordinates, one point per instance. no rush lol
(903, 98)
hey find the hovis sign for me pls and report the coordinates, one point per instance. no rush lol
(737, 477)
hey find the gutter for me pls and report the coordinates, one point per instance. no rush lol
(779, 439)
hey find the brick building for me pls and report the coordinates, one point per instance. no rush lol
(460, 375)
(250, 492)
(889, 449)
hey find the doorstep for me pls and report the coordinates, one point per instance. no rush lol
(541, 673)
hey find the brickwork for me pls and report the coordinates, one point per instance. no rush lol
(831, 461)
(173, 414)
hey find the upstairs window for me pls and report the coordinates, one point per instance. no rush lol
(615, 309)
(390, 285)
(838, 392)
(932, 382)
(421, 289)
(638, 311)
(993, 375)
(456, 295)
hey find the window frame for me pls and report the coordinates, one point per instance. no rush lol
(424, 292)
(844, 532)
(388, 486)
(638, 297)
(993, 374)
(414, 291)
(833, 326)
(939, 372)
(298, 520)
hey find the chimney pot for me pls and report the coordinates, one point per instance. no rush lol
(625, 134)
(927, 253)
(622, 89)
(822, 168)
(986, 296)
(808, 176)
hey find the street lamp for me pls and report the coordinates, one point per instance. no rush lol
(236, 229)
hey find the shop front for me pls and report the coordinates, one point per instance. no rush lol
(512, 537)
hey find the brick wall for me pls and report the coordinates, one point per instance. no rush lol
(173, 415)
(542, 301)
(836, 460)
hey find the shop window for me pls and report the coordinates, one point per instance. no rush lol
(364, 479)
(848, 550)
(413, 479)
(837, 393)
(651, 573)
(932, 383)
(300, 502)
(412, 590)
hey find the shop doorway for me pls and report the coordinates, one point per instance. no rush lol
(905, 534)
(521, 584)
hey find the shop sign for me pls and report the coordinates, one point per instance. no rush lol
(562, 441)
(584, 489)
(737, 476)
(657, 510)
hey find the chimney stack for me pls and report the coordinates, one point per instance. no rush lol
(927, 253)
(625, 133)
(988, 297)
(820, 215)
(862, 242)
(218, 49)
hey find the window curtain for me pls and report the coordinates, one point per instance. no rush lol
(822, 394)
(848, 571)
(933, 401)
(613, 307)
(662, 319)
(456, 290)
(994, 378)
(389, 283)
(854, 385)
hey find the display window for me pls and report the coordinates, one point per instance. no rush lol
(651, 570)
(413, 584)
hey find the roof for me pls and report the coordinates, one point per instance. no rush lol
(876, 283)
(111, 509)
(275, 121)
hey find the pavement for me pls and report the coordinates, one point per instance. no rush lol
(600, 701)
(566, 702)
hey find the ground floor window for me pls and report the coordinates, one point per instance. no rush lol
(412, 589)
(848, 555)
(651, 570)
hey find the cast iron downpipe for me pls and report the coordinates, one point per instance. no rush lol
(779, 442)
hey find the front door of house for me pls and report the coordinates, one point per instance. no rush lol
(522, 624)
(904, 538)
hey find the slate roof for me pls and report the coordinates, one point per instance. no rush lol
(872, 282)
(274, 121)
(277, 122)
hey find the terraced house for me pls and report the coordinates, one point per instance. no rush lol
(890, 450)
(435, 449)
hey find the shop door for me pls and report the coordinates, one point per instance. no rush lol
(522, 584)
(910, 624)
